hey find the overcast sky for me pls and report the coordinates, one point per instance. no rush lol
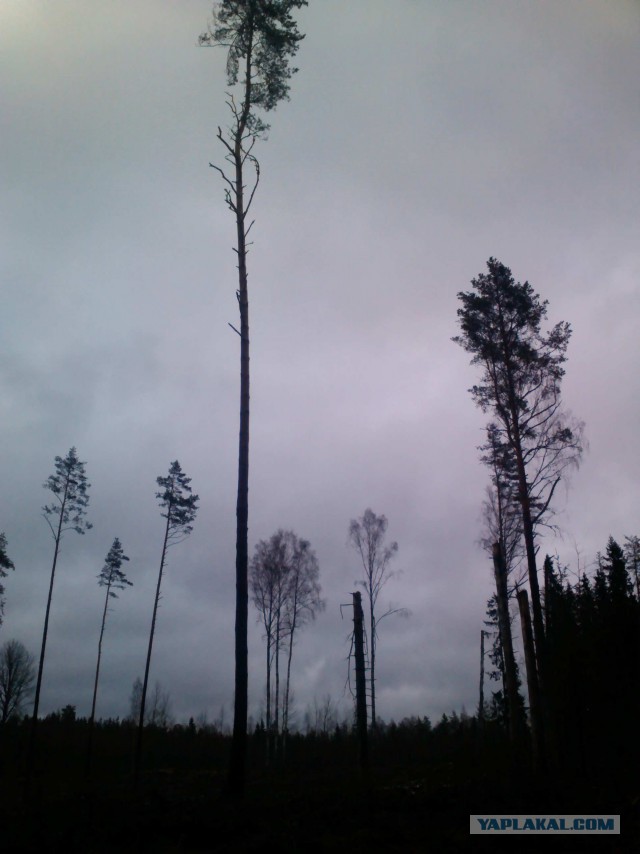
(422, 137)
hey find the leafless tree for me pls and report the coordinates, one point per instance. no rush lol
(286, 593)
(321, 717)
(261, 38)
(268, 568)
(157, 707)
(302, 603)
(367, 536)
(17, 672)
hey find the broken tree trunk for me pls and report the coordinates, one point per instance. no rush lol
(361, 682)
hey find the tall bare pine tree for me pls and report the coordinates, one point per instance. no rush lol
(261, 37)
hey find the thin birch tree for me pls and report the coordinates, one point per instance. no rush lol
(367, 536)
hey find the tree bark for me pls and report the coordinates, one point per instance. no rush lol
(481, 698)
(537, 731)
(361, 682)
(236, 779)
(504, 623)
(373, 664)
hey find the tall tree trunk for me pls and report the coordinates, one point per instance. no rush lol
(481, 698)
(504, 623)
(285, 713)
(143, 698)
(269, 656)
(372, 662)
(95, 686)
(36, 701)
(361, 682)
(537, 731)
(527, 532)
(237, 764)
(276, 710)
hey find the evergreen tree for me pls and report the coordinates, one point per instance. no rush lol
(70, 490)
(522, 370)
(181, 508)
(112, 578)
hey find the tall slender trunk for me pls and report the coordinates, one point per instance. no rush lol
(95, 685)
(36, 701)
(269, 656)
(285, 713)
(239, 740)
(361, 683)
(143, 698)
(527, 531)
(481, 697)
(537, 731)
(373, 664)
(504, 623)
(237, 762)
(515, 438)
(276, 714)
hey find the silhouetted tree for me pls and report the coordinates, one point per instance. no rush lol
(501, 514)
(70, 490)
(181, 508)
(112, 578)
(157, 710)
(302, 603)
(17, 672)
(593, 634)
(5, 564)
(522, 372)
(268, 571)
(367, 535)
(261, 39)
(632, 557)
(286, 593)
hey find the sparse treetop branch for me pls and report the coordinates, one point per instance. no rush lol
(261, 38)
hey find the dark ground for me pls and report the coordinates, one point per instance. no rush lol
(314, 812)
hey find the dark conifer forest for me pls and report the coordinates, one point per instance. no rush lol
(344, 550)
